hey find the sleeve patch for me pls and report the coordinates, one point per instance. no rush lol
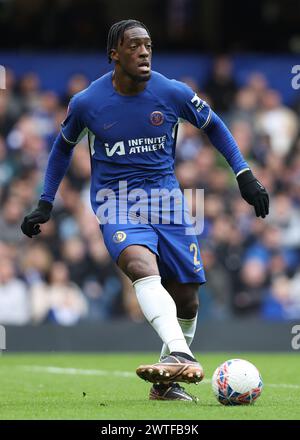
(198, 102)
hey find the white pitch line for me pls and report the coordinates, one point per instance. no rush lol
(130, 374)
(75, 371)
(283, 385)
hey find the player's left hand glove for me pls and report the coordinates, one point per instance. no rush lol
(31, 223)
(254, 193)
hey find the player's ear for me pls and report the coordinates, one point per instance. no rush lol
(114, 55)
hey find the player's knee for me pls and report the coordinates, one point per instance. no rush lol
(190, 309)
(139, 268)
(188, 305)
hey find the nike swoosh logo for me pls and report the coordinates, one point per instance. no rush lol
(107, 126)
(198, 268)
(181, 395)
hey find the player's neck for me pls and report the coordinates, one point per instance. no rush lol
(125, 85)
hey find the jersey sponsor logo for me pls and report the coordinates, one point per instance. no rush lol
(119, 236)
(146, 145)
(135, 146)
(157, 118)
(198, 102)
(117, 148)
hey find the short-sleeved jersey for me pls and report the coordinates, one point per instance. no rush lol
(132, 138)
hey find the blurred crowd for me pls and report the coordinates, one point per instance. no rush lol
(65, 275)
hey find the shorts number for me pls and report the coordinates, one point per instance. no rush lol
(194, 248)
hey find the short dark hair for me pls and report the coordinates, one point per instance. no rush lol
(116, 33)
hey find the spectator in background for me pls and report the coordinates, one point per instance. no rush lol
(242, 132)
(10, 217)
(221, 86)
(25, 140)
(67, 214)
(14, 303)
(7, 166)
(245, 106)
(278, 122)
(293, 176)
(257, 83)
(287, 218)
(14, 105)
(228, 245)
(187, 174)
(23, 186)
(35, 262)
(28, 91)
(282, 302)
(102, 285)
(218, 288)
(205, 163)
(189, 142)
(75, 256)
(79, 173)
(59, 300)
(43, 116)
(7, 116)
(75, 84)
(253, 278)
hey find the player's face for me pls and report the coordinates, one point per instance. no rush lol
(134, 54)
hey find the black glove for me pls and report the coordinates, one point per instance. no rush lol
(254, 193)
(41, 214)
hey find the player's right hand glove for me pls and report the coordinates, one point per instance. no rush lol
(254, 193)
(41, 214)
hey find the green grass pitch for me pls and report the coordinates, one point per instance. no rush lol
(104, 386)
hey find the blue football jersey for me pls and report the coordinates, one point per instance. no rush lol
(132, 138)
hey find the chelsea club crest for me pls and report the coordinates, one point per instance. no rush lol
(157, 118)
(119, 236)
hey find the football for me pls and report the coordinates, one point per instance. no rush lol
(237, 382)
